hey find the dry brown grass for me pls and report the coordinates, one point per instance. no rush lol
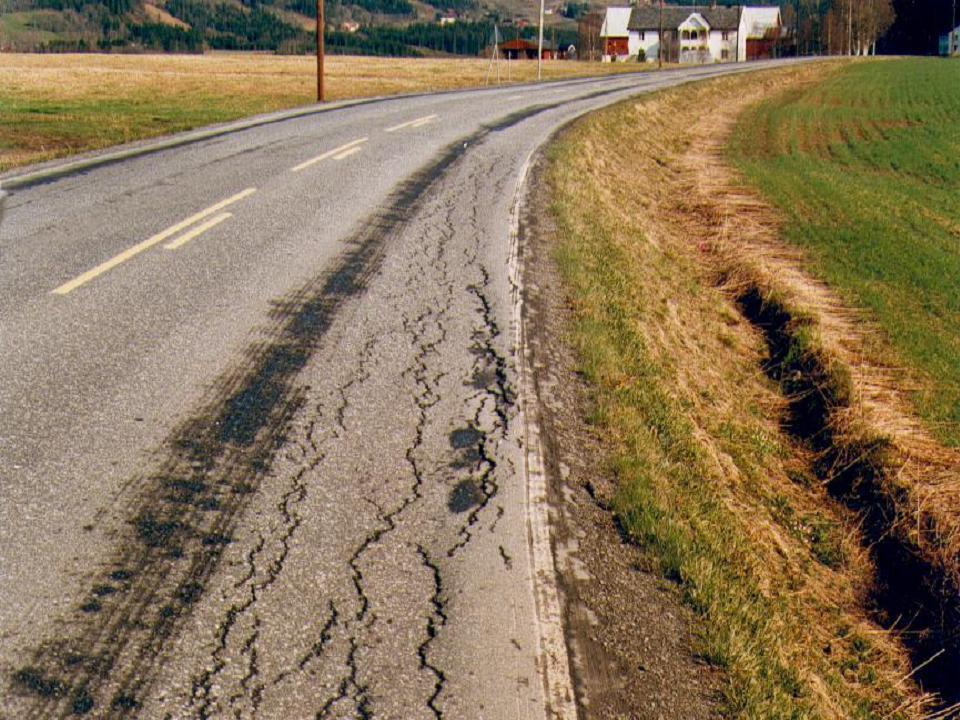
(875, 421)
(53, 105)
(671, 220)
(277, 79)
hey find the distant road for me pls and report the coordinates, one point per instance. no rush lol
(260, 446)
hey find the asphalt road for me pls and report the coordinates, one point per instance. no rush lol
(262, 451)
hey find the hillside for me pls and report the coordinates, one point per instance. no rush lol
(387, 27)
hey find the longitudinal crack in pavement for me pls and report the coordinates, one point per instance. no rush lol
(186, 513)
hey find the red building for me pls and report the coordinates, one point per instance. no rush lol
(616, 46)
(520, 49)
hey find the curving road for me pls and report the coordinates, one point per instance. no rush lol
(262, 448)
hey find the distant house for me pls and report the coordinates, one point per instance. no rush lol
(614, 36)
(449, 19)
(521, 49)
(760, 32)
(692, 34)
(950, 43)
(348, 26)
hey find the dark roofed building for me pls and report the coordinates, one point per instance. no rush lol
(522, 49)
(719, 18)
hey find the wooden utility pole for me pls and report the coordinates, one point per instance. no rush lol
(540, 44)
(660, 40)
(320, 26)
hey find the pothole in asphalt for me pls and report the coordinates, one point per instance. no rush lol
(464, 496)
(467, 437)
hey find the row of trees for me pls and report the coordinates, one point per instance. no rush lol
(115, 7)
(227, 27)
(148, 36)
(460, 38)
(375, 7)
(837, 27)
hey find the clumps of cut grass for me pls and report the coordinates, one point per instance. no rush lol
(723, 500)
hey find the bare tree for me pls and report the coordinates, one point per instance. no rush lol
(874, 19)
(852, 27)
(589, 36)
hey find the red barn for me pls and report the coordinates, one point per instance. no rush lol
(521, 49)
(614, 34)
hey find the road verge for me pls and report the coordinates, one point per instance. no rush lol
(720, 496)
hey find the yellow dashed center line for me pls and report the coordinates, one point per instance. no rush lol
(417, 122)
(132, 252)
(329, 153)
(198, 230)
(346, 153)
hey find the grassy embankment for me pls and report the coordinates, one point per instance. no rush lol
(866, 171)
(710, 484)
(56, 105)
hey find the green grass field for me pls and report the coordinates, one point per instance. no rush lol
(866, 169)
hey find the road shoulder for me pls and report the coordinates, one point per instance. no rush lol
(629, 636)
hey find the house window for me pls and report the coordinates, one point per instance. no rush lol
(643, 36)
(724, 54)
(726, 35)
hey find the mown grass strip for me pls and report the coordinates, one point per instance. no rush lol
(866, 169)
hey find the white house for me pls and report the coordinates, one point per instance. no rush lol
(692, 34)
(759, 30)
(614, 36)
(950, 43)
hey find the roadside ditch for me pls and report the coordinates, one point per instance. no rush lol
(915, 594)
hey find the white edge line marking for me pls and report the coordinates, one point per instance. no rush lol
(347, 153)
(412, 123)
(551, 641)
(328, 153)
(148, 243)
(198, 230)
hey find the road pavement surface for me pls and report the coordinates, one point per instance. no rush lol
(263, 448)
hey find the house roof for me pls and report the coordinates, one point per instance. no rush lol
(719, 18)
(523, 44)
(615, 22)
(758, 20)
(696, 20)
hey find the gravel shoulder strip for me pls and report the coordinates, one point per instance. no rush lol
(628, 635)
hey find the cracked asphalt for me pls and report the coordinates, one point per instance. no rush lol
(278, 471)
